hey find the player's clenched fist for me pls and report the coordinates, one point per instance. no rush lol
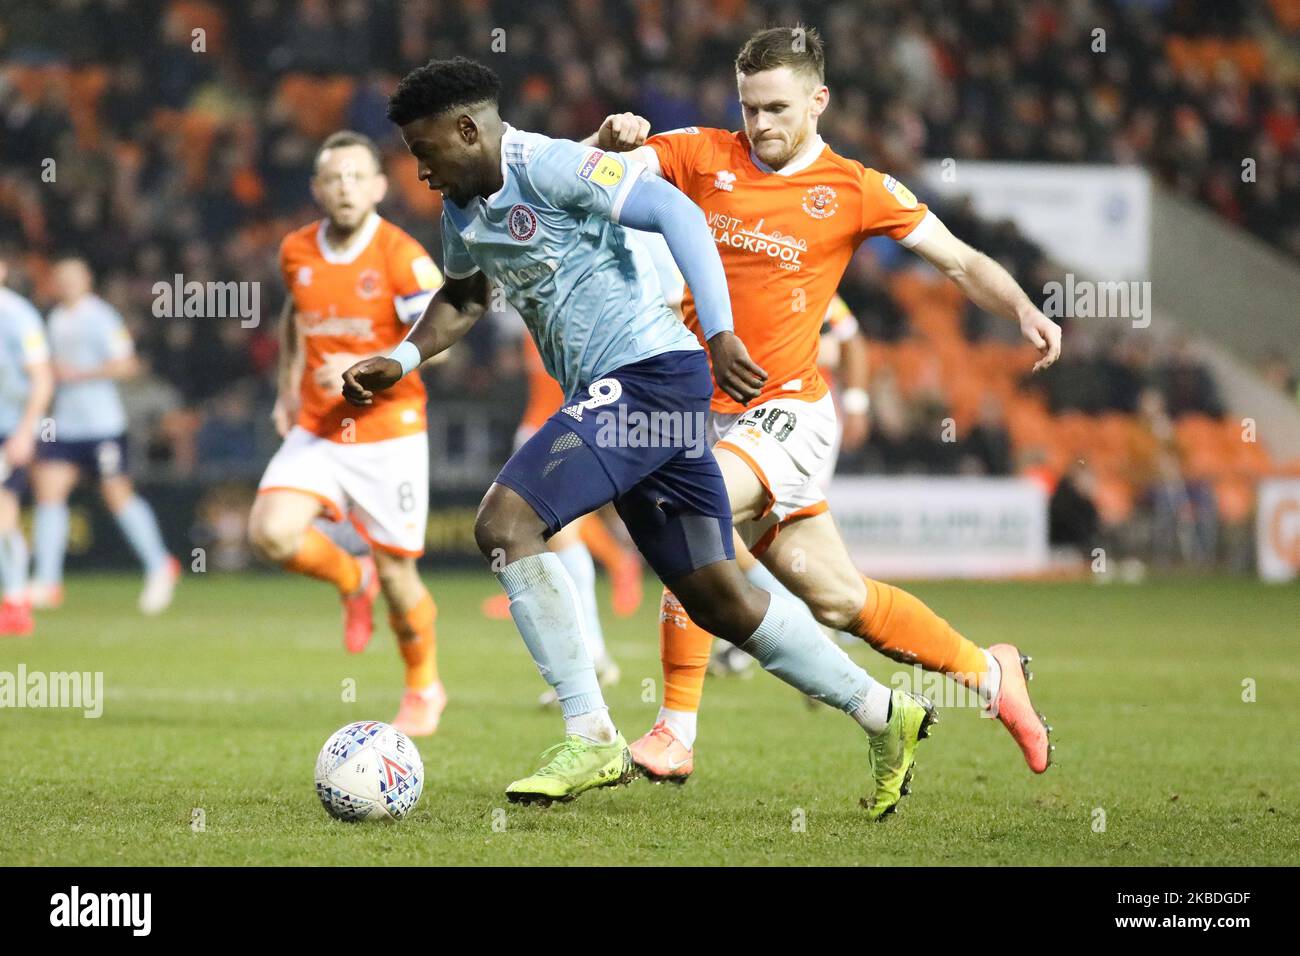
(622, 132)
(361, 381)
(733, 369)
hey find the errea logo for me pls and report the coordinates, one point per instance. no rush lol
(724, 180)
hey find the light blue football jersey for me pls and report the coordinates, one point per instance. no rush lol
(22, 344)
(85, 337)
(671, 281)
(550, 238)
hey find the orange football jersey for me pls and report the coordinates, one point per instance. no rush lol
(544, 393)
(785, 237)
(350, 304)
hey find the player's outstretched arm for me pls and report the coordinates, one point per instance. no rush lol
(449, 315)
(655, 206)
(620, 132)
(990, 287)
(626, 133)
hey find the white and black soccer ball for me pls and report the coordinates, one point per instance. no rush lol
(369, 771)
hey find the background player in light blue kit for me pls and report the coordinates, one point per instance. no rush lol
(26, 385)
(544, 219)
(91, 350)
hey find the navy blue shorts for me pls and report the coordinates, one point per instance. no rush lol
(16, 480)
(638, 439)
(105, 457)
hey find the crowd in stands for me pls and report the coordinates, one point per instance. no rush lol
(175, 137)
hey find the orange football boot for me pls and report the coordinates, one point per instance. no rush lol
(420, 712)
(1012, 706)
(16, 619)
(662, 756)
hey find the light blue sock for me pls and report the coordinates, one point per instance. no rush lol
(789, 644)
(51, 534)
(761, 577)
(13, 565)
(577, 561)
(137, 521)
(765, 580)
(548, 613)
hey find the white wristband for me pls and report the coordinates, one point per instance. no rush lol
(855, 401)
(406, 355)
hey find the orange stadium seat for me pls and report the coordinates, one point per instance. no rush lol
(317, 105)
(1114, 498)
(86, 87)
(1235, 498)
(196, 14)
(1287, 14)
(908, 288)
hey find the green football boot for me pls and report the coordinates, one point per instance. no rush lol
(576, 766)
(893, 753)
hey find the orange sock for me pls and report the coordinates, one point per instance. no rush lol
(684, 649)
(602, 544)
(319, 557)
(901, 627)
(415, 639)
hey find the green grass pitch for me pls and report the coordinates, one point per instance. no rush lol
(222, 705)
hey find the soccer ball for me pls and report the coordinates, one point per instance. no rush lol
(369, 771)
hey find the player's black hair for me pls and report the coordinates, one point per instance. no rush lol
(347, 137)
(800, 48)
(441, 85)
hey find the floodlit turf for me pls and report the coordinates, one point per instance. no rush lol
(218, 709)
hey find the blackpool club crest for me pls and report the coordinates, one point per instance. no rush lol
(369, 283)
(820, 202)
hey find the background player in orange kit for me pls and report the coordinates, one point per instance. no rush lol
(355, 283)
(787, 214)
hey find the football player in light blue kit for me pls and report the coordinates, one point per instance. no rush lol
(26, 385)
(544, 218)
(91, 349)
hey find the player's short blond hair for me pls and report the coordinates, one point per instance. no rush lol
(347, 137)
(800, 48)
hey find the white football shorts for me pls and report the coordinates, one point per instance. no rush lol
(383, 486)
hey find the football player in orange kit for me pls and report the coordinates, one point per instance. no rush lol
(842, 355)
(787, 214)
(355, 283)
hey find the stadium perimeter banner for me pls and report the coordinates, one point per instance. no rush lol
(1094, 219)
(942, 527)
(1277, 530)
